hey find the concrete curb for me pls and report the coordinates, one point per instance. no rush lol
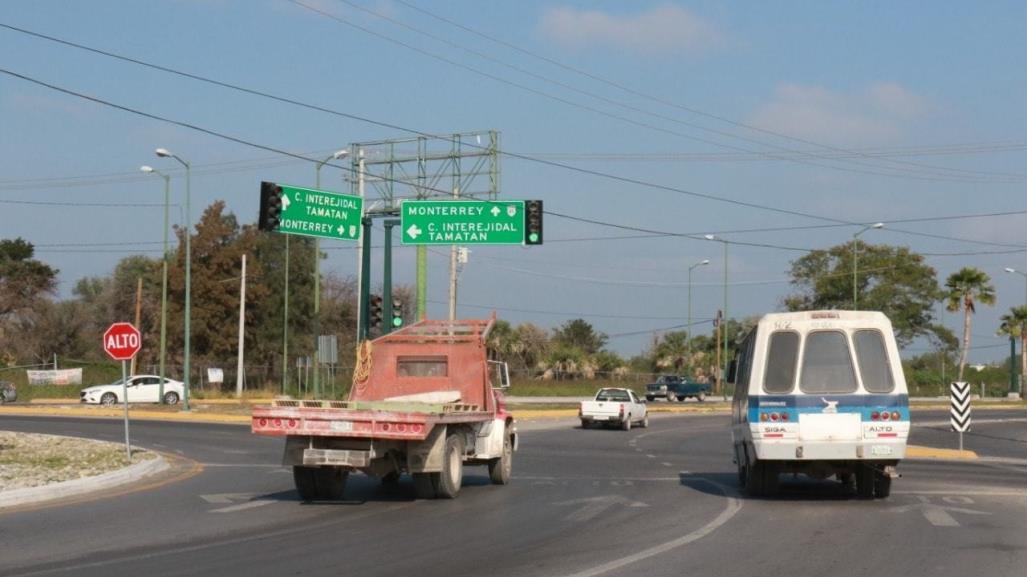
(53, 491)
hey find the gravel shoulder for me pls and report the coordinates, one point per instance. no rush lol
(34, 460)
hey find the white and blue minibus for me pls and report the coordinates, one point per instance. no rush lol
(819, 393)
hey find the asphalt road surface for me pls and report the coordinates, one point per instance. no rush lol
(656, 501)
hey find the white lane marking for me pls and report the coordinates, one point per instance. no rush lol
(733, 507)
(937, 515)
(594, 506)
(242, 507)
(226, 498)
(973, 493)
(666, 464)
(650, 456)
(243, 465)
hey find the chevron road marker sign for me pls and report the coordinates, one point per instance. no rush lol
(960, 409)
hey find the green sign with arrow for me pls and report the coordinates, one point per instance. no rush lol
(320, 213)
(462, 221)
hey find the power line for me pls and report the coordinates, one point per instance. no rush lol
(617, 178)
(691, 110)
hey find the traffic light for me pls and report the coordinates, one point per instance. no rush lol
(270, 206)
(375, 314)
(397, 313)
(533, 222)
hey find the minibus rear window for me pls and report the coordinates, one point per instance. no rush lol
(781, 360)
(873, 361)
(826, 364)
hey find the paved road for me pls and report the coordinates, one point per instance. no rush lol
(657, 501)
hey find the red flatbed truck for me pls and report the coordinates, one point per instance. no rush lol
(425, 400)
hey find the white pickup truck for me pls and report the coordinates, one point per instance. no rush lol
(620, 407)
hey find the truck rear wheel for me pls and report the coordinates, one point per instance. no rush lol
(331, 482)
(865, 482)
(626, 423)
(321, 483)
(306, 484)
(452, 476)
(701, 397)
(424, 485)
(882, 485)
(501, 468)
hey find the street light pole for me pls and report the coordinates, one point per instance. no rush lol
(723, 367)
(1024, 275)
(165, 153)
(688, 339)
(163, 280)
(855, 258)
(337, 155)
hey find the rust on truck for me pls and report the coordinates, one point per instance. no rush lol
(423, 398)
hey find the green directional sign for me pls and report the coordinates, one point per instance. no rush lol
(311, 212)
(462, 221)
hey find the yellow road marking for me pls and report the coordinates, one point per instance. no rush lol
(917, 452)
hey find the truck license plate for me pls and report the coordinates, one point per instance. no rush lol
(344, 426)
(600, 418)
(880, 450)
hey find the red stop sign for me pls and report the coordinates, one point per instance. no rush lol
(122, 341)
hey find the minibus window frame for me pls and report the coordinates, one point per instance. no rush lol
(771, 358)
(848, 354)
(886, 361)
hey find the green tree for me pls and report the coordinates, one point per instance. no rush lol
(893, 280)
(26, 286)
(964, 288)
(1014, 324)
(580, 334)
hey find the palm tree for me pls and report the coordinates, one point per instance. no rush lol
(1014, 324)
(964, 288)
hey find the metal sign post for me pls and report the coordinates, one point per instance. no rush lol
(121, 342)
(124, 396)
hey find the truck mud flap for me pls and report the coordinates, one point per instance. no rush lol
(426, 456)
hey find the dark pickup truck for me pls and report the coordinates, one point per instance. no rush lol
(673, 387)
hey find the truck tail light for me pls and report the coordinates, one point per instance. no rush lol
(895, 416)
(262, 422)
(622, 409)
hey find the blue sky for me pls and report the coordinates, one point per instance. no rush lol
(859, 112)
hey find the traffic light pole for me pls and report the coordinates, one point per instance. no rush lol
(387, 277)
(365, 281)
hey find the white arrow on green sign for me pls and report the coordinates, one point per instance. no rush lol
(320, 213)
(462, 221)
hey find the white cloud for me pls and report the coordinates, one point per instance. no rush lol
(663, 28)
(876, 115)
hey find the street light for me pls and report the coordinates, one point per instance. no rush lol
(855, 257)
(723, 367)
(165, 153)
(164, 279)
(1024, 275)
(337, 155)
(688, 339)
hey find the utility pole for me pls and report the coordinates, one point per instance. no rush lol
(285, 321)
(242, 327)
(452, 271)
(362, 305)
(139, 311)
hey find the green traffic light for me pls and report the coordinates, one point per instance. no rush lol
(533, 237)
(397, 321)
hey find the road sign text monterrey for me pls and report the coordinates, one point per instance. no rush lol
(462, 221)
(320, 213)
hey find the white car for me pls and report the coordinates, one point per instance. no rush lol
(141, 389)
(619, 407)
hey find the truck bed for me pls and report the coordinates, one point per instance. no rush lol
(400, 420)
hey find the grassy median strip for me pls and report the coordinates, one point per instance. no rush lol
(31, 460)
